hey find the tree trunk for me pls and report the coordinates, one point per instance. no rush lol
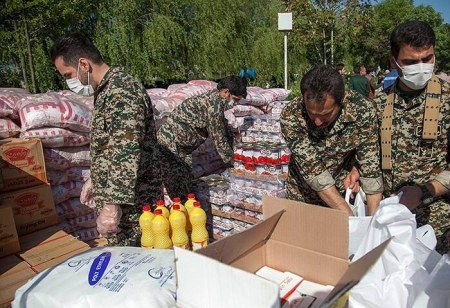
(324, 47)
(30, 55)
(332, 44)
(21, 56)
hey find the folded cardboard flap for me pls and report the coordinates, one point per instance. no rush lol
(357, 270)
(49, 247)
(40, 237)
(11, 264)
(237, 245)
(303, 224)
(311, 265)
(14, 273)
(205, 282)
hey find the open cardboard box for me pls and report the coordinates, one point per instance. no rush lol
(307, 240)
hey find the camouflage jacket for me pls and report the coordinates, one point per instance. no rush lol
(194, 120)
(321, 157)
(124, 167)
(414, 160)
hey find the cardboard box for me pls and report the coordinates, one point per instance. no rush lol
(14, 273)
(307, 240)
(22, 164)
(9, 241)
(33, 208)
(49, 247)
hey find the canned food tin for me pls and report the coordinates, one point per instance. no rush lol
(238, 152)
(284, 168)
(285, 154)
(274, 169)
(247, 153)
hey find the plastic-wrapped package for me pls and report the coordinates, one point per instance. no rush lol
(66, 191)
(104, 277)
(55, 137)
(53, 110)
(58, 177)
(7, 127)
(64, 158)
(72, 208)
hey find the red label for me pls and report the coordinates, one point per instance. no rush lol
(27, 199)
(16, 154)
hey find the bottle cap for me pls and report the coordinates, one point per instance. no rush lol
(146, 207)
(176, 200)
(191, 196)
(160, 202)
(158, 212)
(197, 204)
(176, 207)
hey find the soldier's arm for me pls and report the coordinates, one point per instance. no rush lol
(368, 157)
(333, 199)
(219, 132)
(305, 156)
(126, 133)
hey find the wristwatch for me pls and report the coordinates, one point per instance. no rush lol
(427, 198)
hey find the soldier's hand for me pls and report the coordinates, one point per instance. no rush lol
(352, 181)
(412, 196)
(87, 196)
(108, 219)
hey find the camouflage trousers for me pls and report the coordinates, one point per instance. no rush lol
(130, 232)
(437, 215)
(176, 174)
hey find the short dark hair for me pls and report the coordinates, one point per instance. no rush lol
(74, 46)
(357, 69)
(320, 81)
(340, 66)
(415, 33)
(236, 85)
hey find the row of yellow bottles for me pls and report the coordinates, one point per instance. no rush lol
(164, 229)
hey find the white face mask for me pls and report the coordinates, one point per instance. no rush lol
(76, 86)
(416, 76)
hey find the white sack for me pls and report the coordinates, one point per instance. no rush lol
(63, 158)
(104, 277)
(399, 274)
(55, 137)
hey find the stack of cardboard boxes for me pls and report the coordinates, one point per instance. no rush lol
(29, 242)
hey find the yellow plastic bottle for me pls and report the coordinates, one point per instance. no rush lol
(199, 235)
(160, 228)
(145, 222)
(160, 206)
(189, 205)
(182, 209)
(177, 221)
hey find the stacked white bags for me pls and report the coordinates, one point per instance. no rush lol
(9, 118)
(57, 120)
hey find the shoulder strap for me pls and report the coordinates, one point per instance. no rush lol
(386, 135)
(431, 114)
(430, 120)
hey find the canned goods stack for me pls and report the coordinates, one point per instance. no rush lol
(213, 192)
(260, 168)
(262, 150)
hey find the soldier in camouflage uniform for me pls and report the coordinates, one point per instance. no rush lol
(188, 126)
(420, 165)
(125, 169)
(328, 130)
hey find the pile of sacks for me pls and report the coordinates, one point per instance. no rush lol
(9, 117)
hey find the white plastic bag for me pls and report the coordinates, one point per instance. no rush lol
(359, 207)
(437, 291)
(401, 271)
(104, 277)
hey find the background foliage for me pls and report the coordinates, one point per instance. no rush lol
(163, 41)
